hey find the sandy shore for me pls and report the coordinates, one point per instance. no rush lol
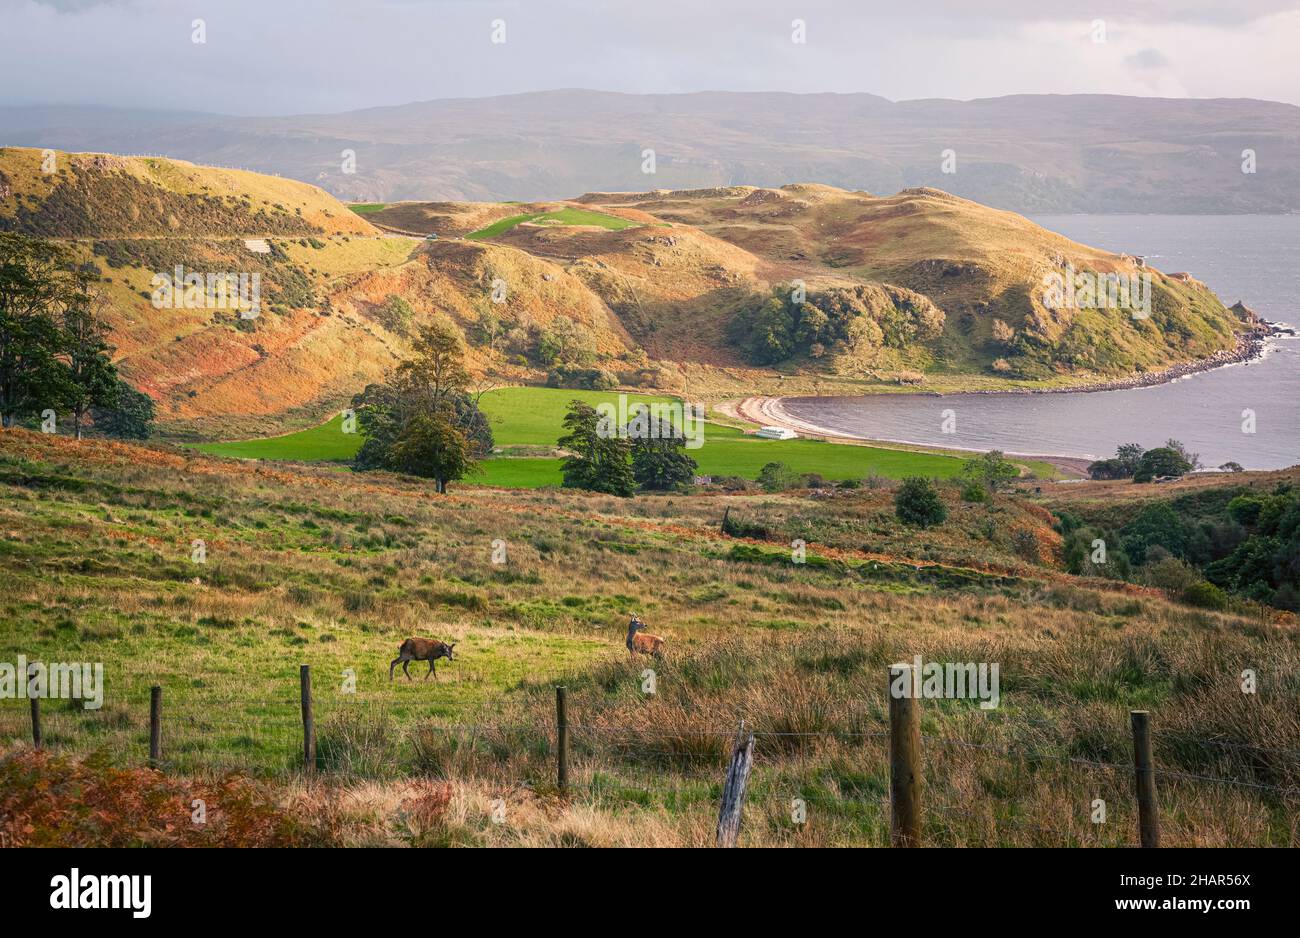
(769, 412)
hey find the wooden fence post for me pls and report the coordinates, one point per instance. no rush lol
(308, 722)
(904, 757)
(733, 789)
(36, 718)
(562, 738)
(155, 725)
(1144, 778)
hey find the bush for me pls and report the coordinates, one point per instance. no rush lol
(917, 503)
(1161, 462)
(1205, 595)
(974, 492)
(777, 477)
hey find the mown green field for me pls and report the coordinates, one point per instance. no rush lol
(369, 208)
(564, 216)
(533, 417)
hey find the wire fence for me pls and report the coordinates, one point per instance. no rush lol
(611, 765)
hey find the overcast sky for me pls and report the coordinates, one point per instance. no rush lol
(295, 56)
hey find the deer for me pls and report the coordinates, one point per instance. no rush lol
(421, 649)
(646, 644)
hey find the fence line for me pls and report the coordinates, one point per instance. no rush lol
(910, 814)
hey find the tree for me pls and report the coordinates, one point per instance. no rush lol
(1161, 462)
(1193, 459)
(777, 477)
(598, 457)
(92, 378)
(129, 414)
(566, 342)
(990, 470)
(34, 284)
(917, 503)
(1128, 456)
(424, 421)
(488, 329)
(659, 459)
(432, 446)
(395, 315)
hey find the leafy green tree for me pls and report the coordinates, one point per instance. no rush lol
(34, 284)
(917, 503)
(777, 477)
(598, 457)
(432, 446)
(1161, 462)
(1157, 525)
(129, 414)
(1129, 456)
(92, 377)
(404, 420)
(395, 315)
(659, 458)
(565, 342)
(990, 470)
(1193, 459)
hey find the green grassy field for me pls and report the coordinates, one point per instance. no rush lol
(369, 208)
(564, 216)
(334, 569)
(533, 417)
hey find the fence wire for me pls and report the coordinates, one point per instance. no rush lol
(645, 767)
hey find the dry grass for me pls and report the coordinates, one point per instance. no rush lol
(96, 562)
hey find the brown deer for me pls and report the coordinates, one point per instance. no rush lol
(646, 644)
(421, 649)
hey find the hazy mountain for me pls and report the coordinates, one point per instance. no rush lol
(1028, 153)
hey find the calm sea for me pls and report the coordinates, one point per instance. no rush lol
(1252, 258)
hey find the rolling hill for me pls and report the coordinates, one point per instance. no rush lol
(656, 284)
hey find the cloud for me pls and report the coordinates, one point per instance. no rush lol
(299, 56)
(1146, 59)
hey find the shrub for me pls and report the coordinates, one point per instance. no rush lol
(974, 492)
(1205, 595)
(917, 503)
(777, 477)
(1161, 462)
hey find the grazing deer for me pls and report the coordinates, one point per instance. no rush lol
(421, 649)
(646, 644)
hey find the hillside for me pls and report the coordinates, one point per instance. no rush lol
(333, 570)
(664, 290)
(1026, 153)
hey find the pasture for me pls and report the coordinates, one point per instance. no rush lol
(532, 417)
(564, 216)
(304, 565)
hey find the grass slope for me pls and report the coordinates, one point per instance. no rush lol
(309, 566)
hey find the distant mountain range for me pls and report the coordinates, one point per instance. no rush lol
(1026, 153)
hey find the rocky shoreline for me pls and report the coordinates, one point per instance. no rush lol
(1249, 346)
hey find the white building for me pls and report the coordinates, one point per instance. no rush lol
(776, 433)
